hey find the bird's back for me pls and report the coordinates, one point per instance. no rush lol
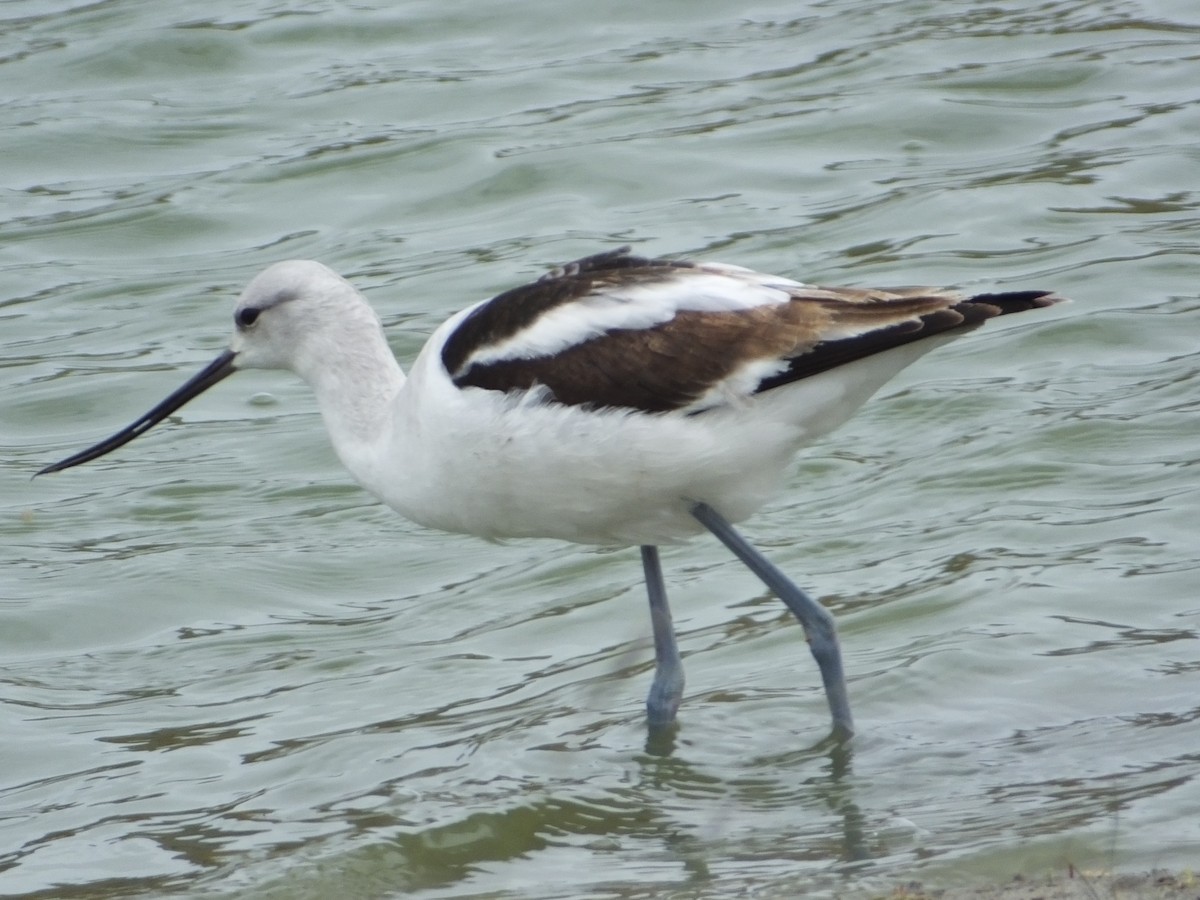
(596, 404)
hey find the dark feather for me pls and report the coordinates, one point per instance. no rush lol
(675, 363)
(963, 315)
(513, 311)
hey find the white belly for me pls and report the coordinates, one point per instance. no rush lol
(485, 463)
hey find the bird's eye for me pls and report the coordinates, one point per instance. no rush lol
(247, 316)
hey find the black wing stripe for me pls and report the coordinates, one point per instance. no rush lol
(513, 311)
(968, 313)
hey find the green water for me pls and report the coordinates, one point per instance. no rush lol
(226, 672)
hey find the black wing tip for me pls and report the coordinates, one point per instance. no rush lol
(1007, 302)
(1049, 298)
(962, 316)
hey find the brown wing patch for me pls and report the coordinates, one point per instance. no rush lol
(661, 368)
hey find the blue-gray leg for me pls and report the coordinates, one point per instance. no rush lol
(667, 689)
(817, 621)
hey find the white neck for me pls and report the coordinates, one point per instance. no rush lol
(356, 392)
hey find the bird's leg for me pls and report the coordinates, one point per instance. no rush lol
(667, 689)
(817, 621)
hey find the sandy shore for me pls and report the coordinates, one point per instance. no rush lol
(1071, 886)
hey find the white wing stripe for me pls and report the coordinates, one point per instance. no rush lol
(629, 307)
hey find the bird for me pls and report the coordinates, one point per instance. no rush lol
(618, 400)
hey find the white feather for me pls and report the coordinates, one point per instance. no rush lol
(631, 307)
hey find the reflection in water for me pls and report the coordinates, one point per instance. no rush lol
(667, 773)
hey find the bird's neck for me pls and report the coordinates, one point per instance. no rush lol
(356, 393)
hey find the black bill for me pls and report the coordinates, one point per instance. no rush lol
(220, 368)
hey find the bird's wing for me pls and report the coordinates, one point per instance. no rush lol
(617, 330)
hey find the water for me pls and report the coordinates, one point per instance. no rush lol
(226, 672)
